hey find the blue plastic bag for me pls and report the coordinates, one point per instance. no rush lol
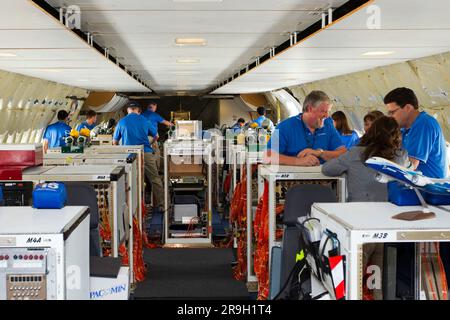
(52, 195)
(2, 201)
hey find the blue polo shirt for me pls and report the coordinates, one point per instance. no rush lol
(153, 117)
(84, 124)
(236, 128)
(425, 142)
(134, 130)
(349, 140)
(294, 136)
(260, 121)
(55, 134)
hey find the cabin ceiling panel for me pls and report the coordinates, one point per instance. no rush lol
(143, 33)
(406, 30)
(33, 43)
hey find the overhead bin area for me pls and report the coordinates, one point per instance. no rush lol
(35, 44)
(190, 46)
(381, 33)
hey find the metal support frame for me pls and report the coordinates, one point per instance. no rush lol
(251, 159)
(171, 148)
(275, 173)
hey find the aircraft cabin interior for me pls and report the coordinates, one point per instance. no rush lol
(252, 150)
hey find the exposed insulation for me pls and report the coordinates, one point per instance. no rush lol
(28, 105)
(364, 91)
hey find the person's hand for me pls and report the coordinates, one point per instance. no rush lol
(310, 152)
(308, 161)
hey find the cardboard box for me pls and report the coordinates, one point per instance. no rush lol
(111, 288)
(185, 169)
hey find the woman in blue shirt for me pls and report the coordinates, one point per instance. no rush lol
(349, 137)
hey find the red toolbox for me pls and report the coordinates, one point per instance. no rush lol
(21, 155)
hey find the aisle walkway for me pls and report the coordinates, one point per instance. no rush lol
(190, 274)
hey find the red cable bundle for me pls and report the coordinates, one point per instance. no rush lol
(123, 252)
(261, 259)
(139, 265)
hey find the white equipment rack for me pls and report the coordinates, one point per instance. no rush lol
(274, 173)
(105, 149)
(110, 178)
(201, 152)
(44, 253)
(251, 158)
(129, 162)
(358, 223)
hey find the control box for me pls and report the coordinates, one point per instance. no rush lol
(44, 254)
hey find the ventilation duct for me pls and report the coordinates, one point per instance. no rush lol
(103, 102)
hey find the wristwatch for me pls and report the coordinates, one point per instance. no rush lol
(321, 152)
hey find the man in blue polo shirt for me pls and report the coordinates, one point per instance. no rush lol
(307, 139)
(422, 135)
(154, 118)
(90, 122)
(262, 120)
(133, 130)
(55, 134)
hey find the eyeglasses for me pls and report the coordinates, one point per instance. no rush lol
(392, 112)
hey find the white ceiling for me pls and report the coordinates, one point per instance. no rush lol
(410, 28)
(143, 33)
(45, 49)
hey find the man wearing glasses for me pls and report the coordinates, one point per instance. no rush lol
(422, 136)
(307, 139)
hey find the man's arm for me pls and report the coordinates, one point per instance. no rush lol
(115, 143)
(273, 157)
(328, 155)
(45, 145)
(324, 154)
(167, 123)
(414, 163)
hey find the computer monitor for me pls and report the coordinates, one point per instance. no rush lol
(188, 129)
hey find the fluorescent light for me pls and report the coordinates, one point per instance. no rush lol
(190, 42)
(378, 53)
(319, 70)
(7, 54)
(188, 60)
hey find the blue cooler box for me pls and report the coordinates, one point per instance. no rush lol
(402, 195)
(51, 195)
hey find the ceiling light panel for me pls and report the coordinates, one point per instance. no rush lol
(190, 42)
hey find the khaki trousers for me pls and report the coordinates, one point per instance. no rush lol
(151, 173)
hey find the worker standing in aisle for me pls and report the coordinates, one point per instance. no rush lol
(55, 133)
(155, 119)
(134, 129)
(307, 139)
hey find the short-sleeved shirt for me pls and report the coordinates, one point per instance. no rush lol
(350, 140)
(153, 117)
(55, 134)
(292, 136)
(236, 128)
(260, 121)
(84, 124)
(425, 142)
(134, 130)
